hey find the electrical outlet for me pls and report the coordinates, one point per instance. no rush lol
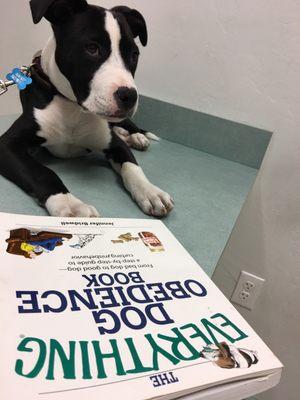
(249, 285)
(243, 295)
(247, 290)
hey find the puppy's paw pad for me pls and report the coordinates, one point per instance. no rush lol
(138, 141)
(67, 205)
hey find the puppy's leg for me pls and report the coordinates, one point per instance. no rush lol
(17, 165)
(150, 198)
(135, 137)
(67, 205)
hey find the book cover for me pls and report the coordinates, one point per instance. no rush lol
(98, 308)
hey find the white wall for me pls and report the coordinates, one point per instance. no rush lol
(238, 59)
(231, 58)
(18, 42)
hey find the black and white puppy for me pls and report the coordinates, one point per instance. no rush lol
(82, 93)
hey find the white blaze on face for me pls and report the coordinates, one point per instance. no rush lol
(111, 75)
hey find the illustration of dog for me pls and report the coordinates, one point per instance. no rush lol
(229, 356)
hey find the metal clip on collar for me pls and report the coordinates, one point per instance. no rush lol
(4, 85)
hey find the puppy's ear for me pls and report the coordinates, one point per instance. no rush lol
(135, 21)
(55, 11)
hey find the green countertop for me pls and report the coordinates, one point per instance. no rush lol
(209, 192)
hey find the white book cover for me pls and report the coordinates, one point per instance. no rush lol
(103, 308)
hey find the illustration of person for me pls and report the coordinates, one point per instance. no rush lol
(47, 244)
(24, 242)
(30, 250)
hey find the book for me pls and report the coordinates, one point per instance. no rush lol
(103, 308)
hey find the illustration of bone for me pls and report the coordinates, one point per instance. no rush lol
(124, 238)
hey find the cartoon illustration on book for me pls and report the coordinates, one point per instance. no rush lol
(83, 240)
(125, 238)
(229, 356)
(151, 241)
(23, 242)
(148, 238)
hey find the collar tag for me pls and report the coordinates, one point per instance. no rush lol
(19, 78)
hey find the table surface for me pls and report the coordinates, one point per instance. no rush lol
(209, 192)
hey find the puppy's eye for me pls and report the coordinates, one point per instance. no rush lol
(134, 57)
(92, 49)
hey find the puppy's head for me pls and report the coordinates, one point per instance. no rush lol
(96, 53)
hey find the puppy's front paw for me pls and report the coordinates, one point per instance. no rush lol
(67, 205)
(138, 141)
(154, 201)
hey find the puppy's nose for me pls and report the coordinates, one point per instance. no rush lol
(126, 98)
